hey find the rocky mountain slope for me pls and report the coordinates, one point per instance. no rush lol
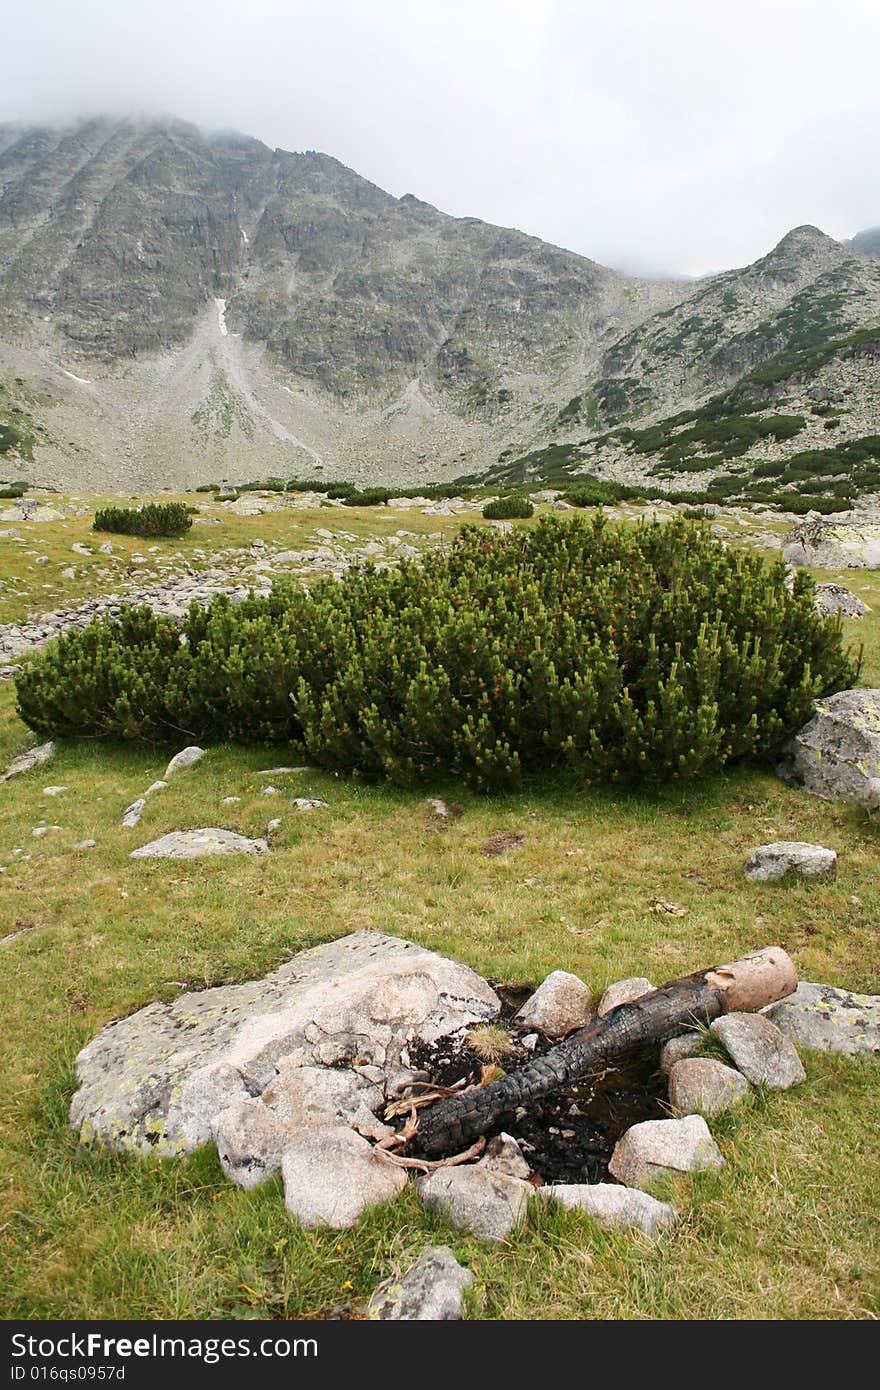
(177, 307)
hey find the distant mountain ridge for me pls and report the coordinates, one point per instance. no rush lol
(177, 306)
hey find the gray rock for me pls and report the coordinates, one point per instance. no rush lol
(624, 992)
(704, 1085)
(868, 797)
(332, 1175)
(430, 1290)
(490, 1205)
(790, 857)
(187, 757)
(207, 1092)
(85, 844)
(837, 753)
(131, 816)
(834, 545)
(685, 1045)
(561, 1003)
(303, 1097)
(308, 803)
(196, 844)
(504, 1155)
(829, 1019)
(661, 1148)
(364, 998)
(250, 1140)
(614, 1206)
(760, 1051)
(54, 791)
(155, 787)
(34, 757)
(834, 598)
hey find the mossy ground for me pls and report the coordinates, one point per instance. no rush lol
(787, 1229)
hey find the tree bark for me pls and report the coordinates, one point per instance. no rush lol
(742, 986)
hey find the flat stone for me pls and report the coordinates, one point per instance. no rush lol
(829, 1019)
(34, 757)
(430, 1290)
(490, 1205)
(837, 753)
(187, 757)
(85, 844)
(624, 992)
(834, 598)
(54, 791)
(332, 1175)
(155, 787)
(196, 844)
(614, 1206)
(131, 816)
(561, 1003)
(361, 999)
(685, 1045)
(308, 803)
(785, 857)
(661, 1148)
(760, 1050)
(704, 1085)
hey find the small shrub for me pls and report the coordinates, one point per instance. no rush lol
(515, 506)
(13, 489)
(155, 519)
(366, 497)
(648, 653)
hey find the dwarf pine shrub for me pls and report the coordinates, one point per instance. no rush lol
(154, 519)
(513, 506)
(648, 652)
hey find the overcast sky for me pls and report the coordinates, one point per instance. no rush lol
(682, 136)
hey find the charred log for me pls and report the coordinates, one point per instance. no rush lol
(742, 986)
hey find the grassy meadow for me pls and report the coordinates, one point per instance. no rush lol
(605, 884)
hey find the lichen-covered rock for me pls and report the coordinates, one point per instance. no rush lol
(561, 1003)
(834, 598)
(705, 1085)
(198, 844)
(430, 1290)
(662, 1148)
(760, 1051)
(837, 753)
(187, 757)
(25, 761)
(624, 992)
(487, 1203)
(362, 998)
(785, 857)
(615, 1206)
(332, 1175)
(834, 545)
(829, 1019)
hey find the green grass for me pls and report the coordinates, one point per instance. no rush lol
(787, 1229)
